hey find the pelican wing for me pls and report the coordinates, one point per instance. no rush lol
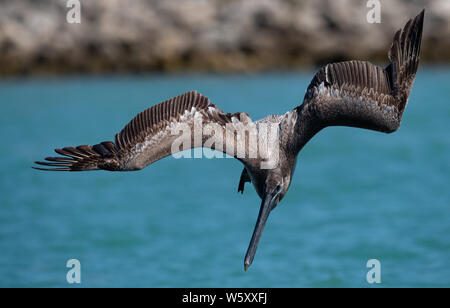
(360, 94)
(159, 131)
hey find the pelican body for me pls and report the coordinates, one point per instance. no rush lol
(352, 93)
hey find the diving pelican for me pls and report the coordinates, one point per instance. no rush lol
(352, 93)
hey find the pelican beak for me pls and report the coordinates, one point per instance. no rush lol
(269, 202)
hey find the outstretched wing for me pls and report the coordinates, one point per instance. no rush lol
(360, 94)
(159, 131)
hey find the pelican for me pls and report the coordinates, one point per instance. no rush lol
(351, 93)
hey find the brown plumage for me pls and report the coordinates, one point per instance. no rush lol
(360, 94)
(151, 123)
(352, 93)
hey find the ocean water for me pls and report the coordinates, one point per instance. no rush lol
(356, 194)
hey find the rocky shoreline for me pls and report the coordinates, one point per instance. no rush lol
(206, 35)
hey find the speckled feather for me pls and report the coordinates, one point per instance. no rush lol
(147, 137)
(352, 93)
(360, 94)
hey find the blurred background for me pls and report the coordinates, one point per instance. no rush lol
(356, 194)
(206, 35)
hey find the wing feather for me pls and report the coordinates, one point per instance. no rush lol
(149, 136)
(360, 94)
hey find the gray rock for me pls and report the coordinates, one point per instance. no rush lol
(218, 35)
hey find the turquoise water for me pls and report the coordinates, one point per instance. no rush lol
(356, 194)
